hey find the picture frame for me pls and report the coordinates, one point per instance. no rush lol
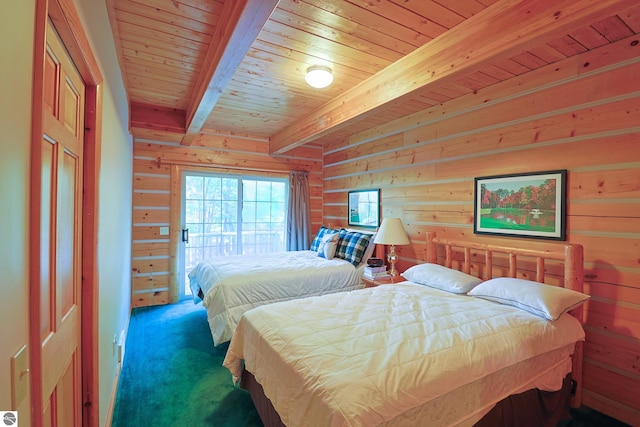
(364, 208)
(523, 205)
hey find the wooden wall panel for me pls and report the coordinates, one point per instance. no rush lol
(580, 115)
(148, 297)
(147, 215)
(619, 354)
(154, 279)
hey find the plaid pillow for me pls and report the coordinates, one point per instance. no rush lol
(352, 246)
(315, 243)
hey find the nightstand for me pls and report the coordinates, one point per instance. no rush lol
(370, 283)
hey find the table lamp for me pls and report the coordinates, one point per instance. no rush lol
(391, 232)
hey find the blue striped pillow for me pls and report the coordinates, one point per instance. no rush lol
(352, 246)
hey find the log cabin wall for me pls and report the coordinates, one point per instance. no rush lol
(156, 182)
(582, 115)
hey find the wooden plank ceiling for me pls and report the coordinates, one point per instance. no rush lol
(222, 67)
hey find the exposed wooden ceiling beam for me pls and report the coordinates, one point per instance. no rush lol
(504, 29)
(241, 22)
(162, 119)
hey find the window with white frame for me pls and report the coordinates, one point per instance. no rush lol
(231, 215)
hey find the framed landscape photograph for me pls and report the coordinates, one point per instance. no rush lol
(364, 208)
(523, 205)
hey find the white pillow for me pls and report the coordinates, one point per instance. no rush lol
(543, 300)
(438, 276)
(327, 246)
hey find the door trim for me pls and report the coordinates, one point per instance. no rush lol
(67, 22)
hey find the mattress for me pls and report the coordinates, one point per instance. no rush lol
(398, 354)
(234, 284)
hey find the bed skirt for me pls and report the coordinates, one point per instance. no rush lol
(532, 408)
(268, 414)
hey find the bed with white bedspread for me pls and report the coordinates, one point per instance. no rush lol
(232, 285)
(407, 354)
(388, 363)
(229, 286)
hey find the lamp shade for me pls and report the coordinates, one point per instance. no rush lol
(391, 232)
(319, 76)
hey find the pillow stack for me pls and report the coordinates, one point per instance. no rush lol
(546, 301)
(350, 245)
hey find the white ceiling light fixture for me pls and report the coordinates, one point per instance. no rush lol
(319, 76)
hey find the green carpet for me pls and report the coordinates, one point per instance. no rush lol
(172, 374)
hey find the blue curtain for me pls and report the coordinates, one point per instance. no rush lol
(299, 213)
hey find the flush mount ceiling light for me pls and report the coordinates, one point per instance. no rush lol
(319, 76)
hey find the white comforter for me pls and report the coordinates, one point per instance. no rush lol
(377, 356)
(232, 285)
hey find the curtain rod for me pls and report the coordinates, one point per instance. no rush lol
(159, 162)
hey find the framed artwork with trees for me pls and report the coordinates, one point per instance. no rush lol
(524, 205)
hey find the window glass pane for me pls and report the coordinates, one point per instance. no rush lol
(193, 187)
(249, 237)
(263, 211)
(211, 212)
(212, 187)
(211, 227)
(192, 257)
(248, 213)
(277, 212)
(278, 192)
(211, 239)
(194, 228)
(249, 190)
(193, 211)
(229, 215)
(229, 189)
(263, 191)
(195, 235)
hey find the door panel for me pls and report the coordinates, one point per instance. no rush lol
(65, 398)
(61, 237)
(66, 236)
(45, 231)
(50, 87)
(71, 108)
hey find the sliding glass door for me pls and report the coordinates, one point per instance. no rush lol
(230, 215)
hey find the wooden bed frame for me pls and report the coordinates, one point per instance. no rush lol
(571, 256)
(463, 254)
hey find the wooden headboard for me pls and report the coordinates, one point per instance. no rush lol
(569, 255)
